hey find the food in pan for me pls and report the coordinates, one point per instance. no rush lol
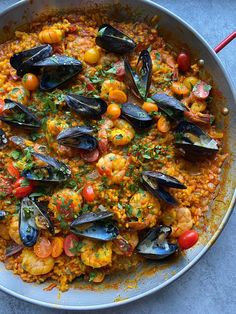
(109, 152)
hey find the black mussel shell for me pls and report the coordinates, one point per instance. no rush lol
(55, 171)
(23, 61)
(86, 107)
(193, 142)
(155, 246)
(139, 79)
(29, 210)
(172, 107)
(163, 179)
(21, 116)
(136, 116)
(3, 139)
(23, 143)
(3, 214)
(113, 40)
(56, 70)
(103, 231)
(91, 217)
(13, 248)
(78, 137)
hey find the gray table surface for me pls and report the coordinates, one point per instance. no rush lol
(210, 286)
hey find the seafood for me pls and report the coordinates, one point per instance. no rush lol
(14, 230)
(3, 139)
(136, 116)
(122, 133)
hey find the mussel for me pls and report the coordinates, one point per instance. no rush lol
(28, 221)
(57, 70)
(86, 107)
(95, 225)
(136, 116)
(78, 137)
(3, 214)
(19, 116)
(155, 245)
(13, 248)
(23, 143)
(193, 142)
(172, 107)
(54, 171)
(3, 139)
(139, 79)
(113, 40)
(23, 61)
(154, 182)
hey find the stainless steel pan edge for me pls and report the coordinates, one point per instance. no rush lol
(88, 300)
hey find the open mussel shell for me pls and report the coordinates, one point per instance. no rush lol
(136, 116)
(139, 79)
(20, 116)
(3, 214)
(3, 139)
(78, 137)
(23, 61)
(86, 107)
(91, 217)
(29, 230)
(155, 245)
(113, 40)
(172, 107)
(13, 248)
(55, 171)
(57, 70)
(193, 142)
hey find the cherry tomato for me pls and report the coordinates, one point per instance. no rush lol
(163, 125)
(201, 90)
(22, 187)
(43, 248)
(13, 171)
(183, 61)
(92, 56)
(90, 156)
(30, 81)
(57, 246)
(120, 68)
(187, 239)
(88, 193)
(5, 185)
(149, 107)
(113, 111)
(70, 242)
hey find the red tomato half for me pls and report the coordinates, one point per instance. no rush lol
(69, 244)
(201, 90)
(90, 156)
(22, 187)
(187, 239)
(183, 61)
(120, 68)
(1, 106)
(88, 193)
(13, 171)
(5, 186)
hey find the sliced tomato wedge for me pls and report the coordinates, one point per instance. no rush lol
(201, 90)
(43, 248)
(22, 187)
(5, 186)
(90, 156)
(70, 243)
(88, 193)
(13, 171)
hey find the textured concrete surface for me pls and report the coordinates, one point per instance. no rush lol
(210, 286)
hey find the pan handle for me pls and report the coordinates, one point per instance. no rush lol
(225, 42)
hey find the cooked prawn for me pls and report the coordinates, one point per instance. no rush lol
(14, 230)
(122, 133)
(35, 265)
(96, 254)
(125, 243)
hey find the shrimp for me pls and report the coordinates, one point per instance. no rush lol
(180, 219)
(66, 202)
(196, 107)
(109, 85)
(125, 243)
(34, 265)
(145, 209)
(171, 62)
(103, 135)
(14, 230)
(113, 166)
(96, 254)
(122, 134)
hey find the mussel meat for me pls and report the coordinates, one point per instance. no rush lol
(87, 107)
(193, 142)
(23, 61)
(139, 79)
(78, 137)
(29, 229)
(95, 225)
(54, 171)
(19, 116)
(172, 107)
(136, 116)
(57, 70)
(113, 40)
(154, 182)
(155, 245)
(3, 139)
